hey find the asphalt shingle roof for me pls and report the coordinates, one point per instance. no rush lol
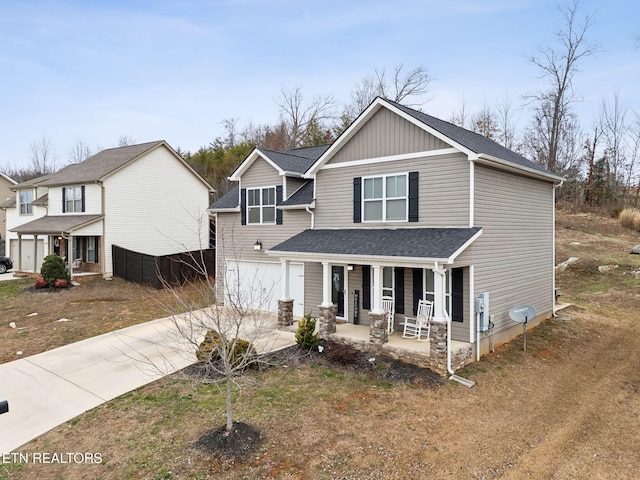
(53, 225)
(99, 165)
(473, 141)
(230, 199)
(297, 160)
(302, 196)
(384, 242)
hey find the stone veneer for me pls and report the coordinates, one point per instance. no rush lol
(327, 321)
(438, 346)
(378, 328)
(285, 313)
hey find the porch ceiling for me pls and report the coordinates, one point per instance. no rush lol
(55, 225)
(390, 244)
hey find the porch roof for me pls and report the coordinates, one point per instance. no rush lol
(395, 244)
(56, 224)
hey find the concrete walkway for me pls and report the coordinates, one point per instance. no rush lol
(51, 388)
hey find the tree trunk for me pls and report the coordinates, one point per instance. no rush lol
(229, 426)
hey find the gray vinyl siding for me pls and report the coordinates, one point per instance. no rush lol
(260, 174)
(513, 257)
(443, 193)
(236, 241)
(312, 287)
(387, 134)
(292, 185)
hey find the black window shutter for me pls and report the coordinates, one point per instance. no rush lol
(366, 287)
(457, 295)
(399, 289)
(357, 200)
(64, 200)
(417, 288)
(413, 196)
(243, 206)
(278, 202)
(82, 191)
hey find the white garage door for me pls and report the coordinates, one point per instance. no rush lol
(258, 285)
(27, 256)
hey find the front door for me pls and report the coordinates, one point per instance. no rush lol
(337, 289)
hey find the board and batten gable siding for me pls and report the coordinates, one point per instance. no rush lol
(236, 242)
(443, 192)
(155, 205)
(387, 134)
(513, 257)
(260, 174)
(92, 200)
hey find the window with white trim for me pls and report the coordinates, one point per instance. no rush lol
(261, 205)
(387, 282)
(73, 199)
(26, 198)
(385, 198)
(429, 291)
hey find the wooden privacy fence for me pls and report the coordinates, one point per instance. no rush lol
(156, 271)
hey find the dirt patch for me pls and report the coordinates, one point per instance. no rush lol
(239, 443)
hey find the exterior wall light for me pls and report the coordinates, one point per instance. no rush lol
(257, 245)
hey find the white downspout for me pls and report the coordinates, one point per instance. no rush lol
(313, 216)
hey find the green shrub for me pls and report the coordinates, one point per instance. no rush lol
(53, 268)
(305, 335)
(238, 352)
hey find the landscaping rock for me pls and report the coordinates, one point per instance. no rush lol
(636, 250)
(606, 268)
(561, 267)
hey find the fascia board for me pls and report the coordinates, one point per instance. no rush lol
(359, 259)
(490, 160)
(253, 156)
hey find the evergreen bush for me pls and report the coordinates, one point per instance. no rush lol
(210, 348)
(306, 336)
(53, 268)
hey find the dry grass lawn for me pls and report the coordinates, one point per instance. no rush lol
(567, 408)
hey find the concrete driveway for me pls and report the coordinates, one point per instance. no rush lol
(51, 388)
(7, 276)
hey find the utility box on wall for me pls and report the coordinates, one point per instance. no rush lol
(482, 309)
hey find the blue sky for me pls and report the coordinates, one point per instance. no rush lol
(95, 71)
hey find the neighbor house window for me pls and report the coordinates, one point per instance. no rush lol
(26, 198)
(384, 198)
(91, 250)
(72, 200)
(261, 205)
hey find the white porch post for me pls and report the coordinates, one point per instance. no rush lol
(376, 300)
(285, 281)
(326, 285)
(35, 253)
(19, 252)
(440, 294)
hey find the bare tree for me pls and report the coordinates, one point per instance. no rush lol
(553, 107)
(126, 140)
(42, 156)
(506, 134)
(79, 152)
(460, 117)
(612, 124)
(400, 86)
(484, 122)
(299, 116)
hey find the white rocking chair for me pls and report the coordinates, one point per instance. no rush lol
(419, 327)
(389, 310)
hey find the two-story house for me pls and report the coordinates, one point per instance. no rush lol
(142, 197)
(401, 205)
(6, 198)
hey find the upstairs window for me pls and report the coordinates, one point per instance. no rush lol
(385, 198)
(261, 205)
(26, 198)
(73, 199)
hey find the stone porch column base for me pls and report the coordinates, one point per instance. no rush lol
(378, 328)
(285, 313)
(327, 321)
(438, 346)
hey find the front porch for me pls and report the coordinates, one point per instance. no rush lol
(405, 349)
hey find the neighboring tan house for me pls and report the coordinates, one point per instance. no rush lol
(401, 205)
(144, 198)
(6, 196)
